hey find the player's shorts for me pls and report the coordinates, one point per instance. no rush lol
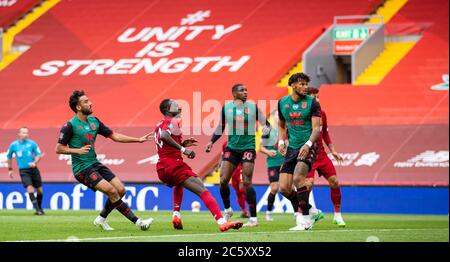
(92, 175)
(236, 177)
(290, 160)
(173, 171)
(239, 156)
(30, 177)
(273, 173)
(324, 167)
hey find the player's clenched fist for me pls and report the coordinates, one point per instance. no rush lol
(189, 153)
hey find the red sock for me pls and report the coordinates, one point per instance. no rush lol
(241, 198)
(336, 199)
(211, 204)
(177, 197)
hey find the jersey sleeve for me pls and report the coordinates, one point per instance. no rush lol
(325, 134)
(280, 114)
(172, 126)
(103, 129)
(65, 134)
(10, 153)
(221, 127)
(315, 108)
(36, 149)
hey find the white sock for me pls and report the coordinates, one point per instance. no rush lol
(228, 210)
(101, 219)
(221, 221)
(176, 214)
(338, 215)
(138, 222)
(254, 219)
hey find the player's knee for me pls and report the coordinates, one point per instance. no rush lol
(285, 190)
(121, 191)
(334, 183)
(112, 193)
(247, 184)
(223, 182)
(274, 188)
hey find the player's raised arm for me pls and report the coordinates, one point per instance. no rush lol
(121, 138)
(167, 138)
(218, 132)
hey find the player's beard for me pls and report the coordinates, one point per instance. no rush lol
(86, 111)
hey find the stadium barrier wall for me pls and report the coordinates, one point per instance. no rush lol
(378, 200)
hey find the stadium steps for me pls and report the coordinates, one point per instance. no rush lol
(297, 68)
(9, 53)
(384, 63)
(387, 10)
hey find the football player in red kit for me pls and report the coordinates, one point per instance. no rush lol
(324, 166)
(171, 168)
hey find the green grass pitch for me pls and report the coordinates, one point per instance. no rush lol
(22, 225)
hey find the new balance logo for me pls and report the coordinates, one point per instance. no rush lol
(429, 158)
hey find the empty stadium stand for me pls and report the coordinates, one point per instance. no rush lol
(391, 122)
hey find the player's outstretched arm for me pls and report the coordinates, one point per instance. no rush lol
(167, 138)
(189, 142)
(120, 138)
(65, 150)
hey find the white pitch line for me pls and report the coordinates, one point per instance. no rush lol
(225, 234)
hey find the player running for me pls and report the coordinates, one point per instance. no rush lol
(171, 168)
(241, 117)
(324, 166)
(300, 115)
(28, 156)
(77, 138)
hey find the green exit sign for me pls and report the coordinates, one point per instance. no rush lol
(351, 33)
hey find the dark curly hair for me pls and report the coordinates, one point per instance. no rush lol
(75, 98)
(296, 77)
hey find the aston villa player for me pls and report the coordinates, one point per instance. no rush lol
(299, 116)
(171, 168)
(77, 138)
(241, 117)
